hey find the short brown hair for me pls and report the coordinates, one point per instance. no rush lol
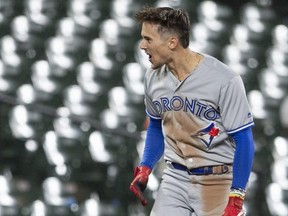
(168, 19)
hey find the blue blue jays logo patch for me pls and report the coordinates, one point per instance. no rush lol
(207, 134)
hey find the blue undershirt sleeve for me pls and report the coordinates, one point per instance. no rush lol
(243, 159)
(154, 144)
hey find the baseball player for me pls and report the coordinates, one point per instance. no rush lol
(199, 119)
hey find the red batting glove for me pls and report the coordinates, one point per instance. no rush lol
(139, 183)
(234, 207)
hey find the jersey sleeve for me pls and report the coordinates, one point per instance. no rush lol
(150, 107)
(234, 108)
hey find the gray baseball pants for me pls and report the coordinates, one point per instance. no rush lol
(182, 194)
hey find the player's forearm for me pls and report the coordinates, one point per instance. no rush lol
(243, 158)
(154, 144)
(242, 166)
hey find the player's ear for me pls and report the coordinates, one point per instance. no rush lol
(173, 42)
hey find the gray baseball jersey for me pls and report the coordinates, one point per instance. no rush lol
(198, 113)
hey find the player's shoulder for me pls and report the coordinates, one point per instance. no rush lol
(217, 67)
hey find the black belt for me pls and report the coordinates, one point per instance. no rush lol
(207, 170)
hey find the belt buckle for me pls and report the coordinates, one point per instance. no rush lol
(221, 169)
(225, 169)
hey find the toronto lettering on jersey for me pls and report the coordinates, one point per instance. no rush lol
(177, 103)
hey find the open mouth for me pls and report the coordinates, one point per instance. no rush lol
(149, 56)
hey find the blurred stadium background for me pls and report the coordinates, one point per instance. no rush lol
(71, 100)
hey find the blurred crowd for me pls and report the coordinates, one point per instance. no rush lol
(71, 100)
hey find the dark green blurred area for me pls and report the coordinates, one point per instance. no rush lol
(71, 101)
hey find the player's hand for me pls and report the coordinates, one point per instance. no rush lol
(234, 207)
(139, 183)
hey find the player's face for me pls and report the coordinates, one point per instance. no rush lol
(155, 45)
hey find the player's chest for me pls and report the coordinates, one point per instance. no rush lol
(192, 103)
(172, 95)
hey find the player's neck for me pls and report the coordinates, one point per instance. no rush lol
(184, 64)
